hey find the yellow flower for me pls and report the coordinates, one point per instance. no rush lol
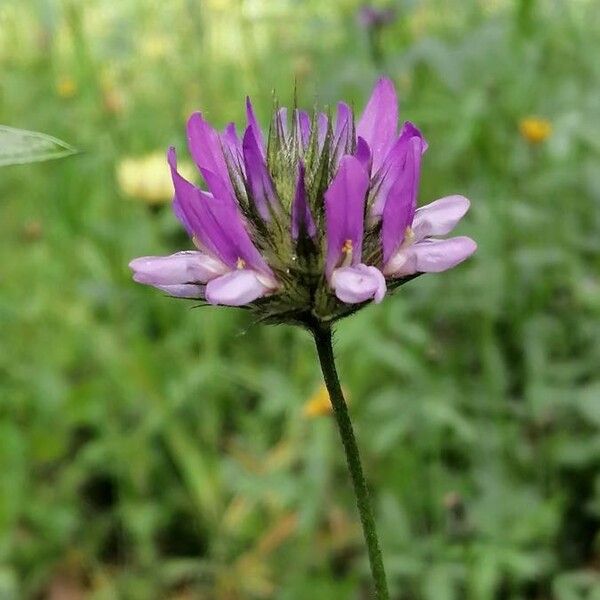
(148, 178)
(319, 404)
(66, 87)
(535, 129)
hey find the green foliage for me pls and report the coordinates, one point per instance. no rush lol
(152, 450)
(18, 147)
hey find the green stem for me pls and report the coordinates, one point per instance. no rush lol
(323, 340)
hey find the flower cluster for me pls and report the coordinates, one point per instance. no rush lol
(311, 223)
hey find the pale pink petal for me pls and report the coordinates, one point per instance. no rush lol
(431, 256)
(236, 288)
(179, 268)
(439, 217)
(357, 284)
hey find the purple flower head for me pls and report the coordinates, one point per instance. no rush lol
(374, 17)
(310, 220)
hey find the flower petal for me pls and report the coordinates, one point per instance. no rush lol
(344, 212)
(282, 122)
(363, 154)
(303, 126)
(439, 217)
(393, 166)
(358, 284)
(343, 132)
(253, 123)
(233, 146)
(379, 121)
(259, 180)
(236, 288)
(401, 203)
(322, 126)
(205, 147)
(302, 219)
(434, 256)
(181, 267)
(218, 226)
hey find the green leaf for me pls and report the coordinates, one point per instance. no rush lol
(19, 146)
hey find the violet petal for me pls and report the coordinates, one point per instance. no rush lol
(206, 150)
(394, 165)
(282, 122)
(343, 133)
(233, 145)
(379, 121)
(401, 203)
(363, 154)
(218, 225)
(253, 123)
(303, 126)
(259, 180)
(344, 213)
(301, 216)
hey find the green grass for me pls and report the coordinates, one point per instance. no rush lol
(149, 450)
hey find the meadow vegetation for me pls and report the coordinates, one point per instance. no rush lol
(152, 450)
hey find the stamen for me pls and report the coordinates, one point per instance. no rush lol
(241, 263)
(409, 238)
(347, 253)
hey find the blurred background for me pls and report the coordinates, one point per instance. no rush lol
(149, 450)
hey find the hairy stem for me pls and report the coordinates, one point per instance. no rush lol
(323, 340)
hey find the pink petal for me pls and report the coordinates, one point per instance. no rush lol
(431, 256)
(236, 288)
(354, 285)
(179, 268)
(379, 121)
(439, 217)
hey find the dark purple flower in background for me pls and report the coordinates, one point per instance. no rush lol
(311, 222)
(374, 17)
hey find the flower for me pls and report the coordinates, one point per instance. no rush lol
(535, 130)
(319, 404)
(147, 178)
(373, 17)
(310, 224)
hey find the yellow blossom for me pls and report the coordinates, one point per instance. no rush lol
(535, 129)
(319, 404)
(66, 87)
(148, 178)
